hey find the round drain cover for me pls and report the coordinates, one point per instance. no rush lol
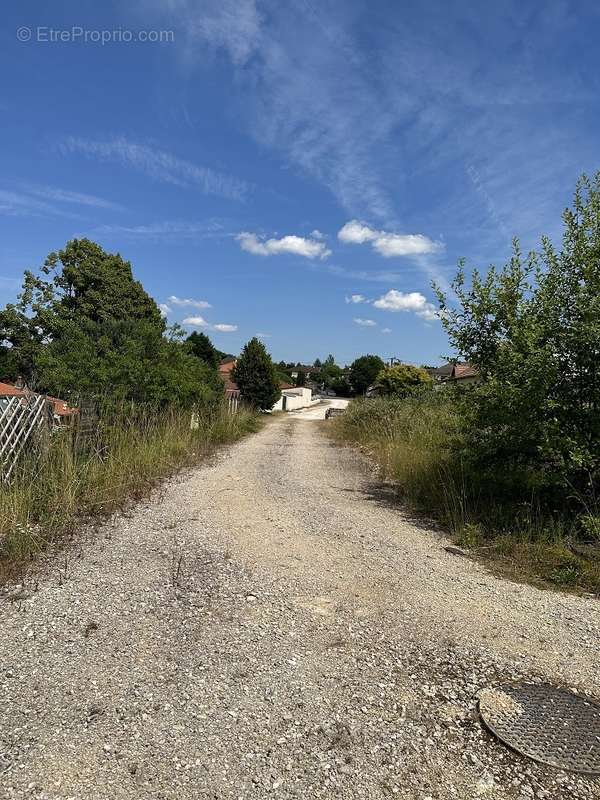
(550, 725)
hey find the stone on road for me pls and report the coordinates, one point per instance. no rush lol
(272, 624)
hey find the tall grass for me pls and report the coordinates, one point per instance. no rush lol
(129, 450)
(418, 444)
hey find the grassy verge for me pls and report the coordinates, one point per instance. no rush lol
(415, 442)
(128, 453)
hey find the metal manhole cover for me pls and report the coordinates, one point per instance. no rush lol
(550, 725)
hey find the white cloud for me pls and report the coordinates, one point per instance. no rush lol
(263, 335)
(354, 232)
(316, 234)
(188, 302)
(200, 322)
(409, 301)
(296, 245)
(387, 244)
(356, 298)
(386, 330)
(164, 309)
(365, 323)
(196, 322)
(223, 328)
(157, 164)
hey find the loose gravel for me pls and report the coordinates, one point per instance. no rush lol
(272, 624)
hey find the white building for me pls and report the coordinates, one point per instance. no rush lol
(292, 399)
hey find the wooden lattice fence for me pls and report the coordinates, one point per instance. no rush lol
(22, 420)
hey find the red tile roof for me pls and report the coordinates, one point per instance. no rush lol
(8, 390)
(60, 407)
(464, 371)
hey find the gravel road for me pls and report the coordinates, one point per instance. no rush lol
(271, 625)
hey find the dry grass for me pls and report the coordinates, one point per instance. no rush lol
(415, 442)
(132, 449)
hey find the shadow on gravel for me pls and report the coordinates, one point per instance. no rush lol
(387, 495)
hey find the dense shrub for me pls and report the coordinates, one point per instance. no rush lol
(532, 329)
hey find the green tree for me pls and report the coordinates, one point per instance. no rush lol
(532, 329)
(255, 374)
(198, 344)
(84, 325)
(401, 380)
(364, 371)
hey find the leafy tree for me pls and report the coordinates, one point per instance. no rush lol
(401, 380)
(364, 371)
(317, 363)
(198, 344)
(255, 374)
(532, 329)
(84, 325)
(330, 374)
(340, 386)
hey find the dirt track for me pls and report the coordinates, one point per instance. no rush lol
(272, 625)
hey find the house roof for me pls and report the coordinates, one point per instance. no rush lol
(461, 371)
(442, 372)
(60, 407)
(286, 386)
(8, 390)
(226, 367)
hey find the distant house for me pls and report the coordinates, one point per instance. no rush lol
(459, 373)
(439, 374)
(295, 397)
(232, 390)
(60, 412)
(308, 371)
(465, 373)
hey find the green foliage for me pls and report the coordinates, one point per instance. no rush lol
(364, 371)
(401, 380)
(255, 374)
(84, 325)
(301, 378)
(198, 344)
(532, 329)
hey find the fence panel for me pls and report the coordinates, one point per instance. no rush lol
(21, 421)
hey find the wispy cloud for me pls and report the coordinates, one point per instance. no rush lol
(188, 302)
(386, 330)
(157, 164)
(165, 231)
(356, 298)
(387, 244)
(224, 328)
(164, 309)
(18, 204)
(415, 302)
(295, 245)
(75, 198)
(365, 323)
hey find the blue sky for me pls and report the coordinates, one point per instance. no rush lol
(298, 170)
